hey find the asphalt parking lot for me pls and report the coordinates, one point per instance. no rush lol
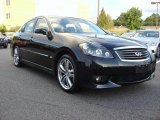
(29, 94)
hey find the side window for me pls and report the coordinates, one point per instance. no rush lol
(29, 26)
(41, 23)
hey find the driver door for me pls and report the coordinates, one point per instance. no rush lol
(41, 46)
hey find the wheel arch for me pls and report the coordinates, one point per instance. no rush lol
(60, 53)
(12, 48)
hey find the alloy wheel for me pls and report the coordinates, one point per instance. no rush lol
(66, 73)
(16, 57)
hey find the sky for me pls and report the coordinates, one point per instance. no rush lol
(116, 7)
(112, 7)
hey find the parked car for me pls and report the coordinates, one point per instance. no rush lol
(111, 33)
(151, 38)
(80, 53)
(3, 41)
(9, 36)
(127, 35)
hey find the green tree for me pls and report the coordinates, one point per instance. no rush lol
(151, 20)
(105, 21)
(131, 19)
(121, 20)
(3, 29)
(110, 23)
(14, 29)
(134, 20)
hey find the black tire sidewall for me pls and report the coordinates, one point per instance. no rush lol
(158, 55)
(5, 46)
(75, 83)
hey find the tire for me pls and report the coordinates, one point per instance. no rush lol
(16, 57)
(5, 46)
(67, 74)
(158, 52)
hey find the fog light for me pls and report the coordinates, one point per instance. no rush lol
(98, 79)
(101, 79)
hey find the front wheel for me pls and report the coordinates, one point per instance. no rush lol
(67, 74)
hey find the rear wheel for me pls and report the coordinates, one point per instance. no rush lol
(16, 57)
(67, 73)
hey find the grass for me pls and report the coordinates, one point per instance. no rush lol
(119, 31)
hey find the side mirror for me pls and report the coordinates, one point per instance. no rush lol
(42, 31)
(49, 35)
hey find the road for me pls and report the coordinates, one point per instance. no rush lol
(30, 94)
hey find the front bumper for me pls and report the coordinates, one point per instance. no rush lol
(111, 84)
(114, 72)
(2, 44)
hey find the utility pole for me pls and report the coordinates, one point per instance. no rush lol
(98, 10)
(156, 3)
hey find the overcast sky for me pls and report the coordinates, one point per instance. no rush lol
(112, 7)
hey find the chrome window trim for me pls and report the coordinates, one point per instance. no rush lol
(35, 52)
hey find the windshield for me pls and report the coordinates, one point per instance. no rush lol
(148, 34)
(74, 25)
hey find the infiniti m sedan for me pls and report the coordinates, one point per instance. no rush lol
(80, 53)
(151, 38)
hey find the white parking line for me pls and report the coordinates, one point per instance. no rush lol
(158, 61)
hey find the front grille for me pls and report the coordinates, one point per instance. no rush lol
(133, 54)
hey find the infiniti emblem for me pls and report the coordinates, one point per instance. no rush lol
(138, 54)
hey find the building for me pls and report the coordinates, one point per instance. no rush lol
(17, 12)
(71, 8)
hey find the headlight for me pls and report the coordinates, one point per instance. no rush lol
(90, 49)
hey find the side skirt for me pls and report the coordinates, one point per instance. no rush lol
(29, 63)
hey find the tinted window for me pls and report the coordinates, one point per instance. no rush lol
(41, 23)
(29, 26)
(74, 25)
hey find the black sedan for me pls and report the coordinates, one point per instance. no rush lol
(3, 41)
(79, 53)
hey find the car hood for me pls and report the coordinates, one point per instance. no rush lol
(107, 41)
(147, 40)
